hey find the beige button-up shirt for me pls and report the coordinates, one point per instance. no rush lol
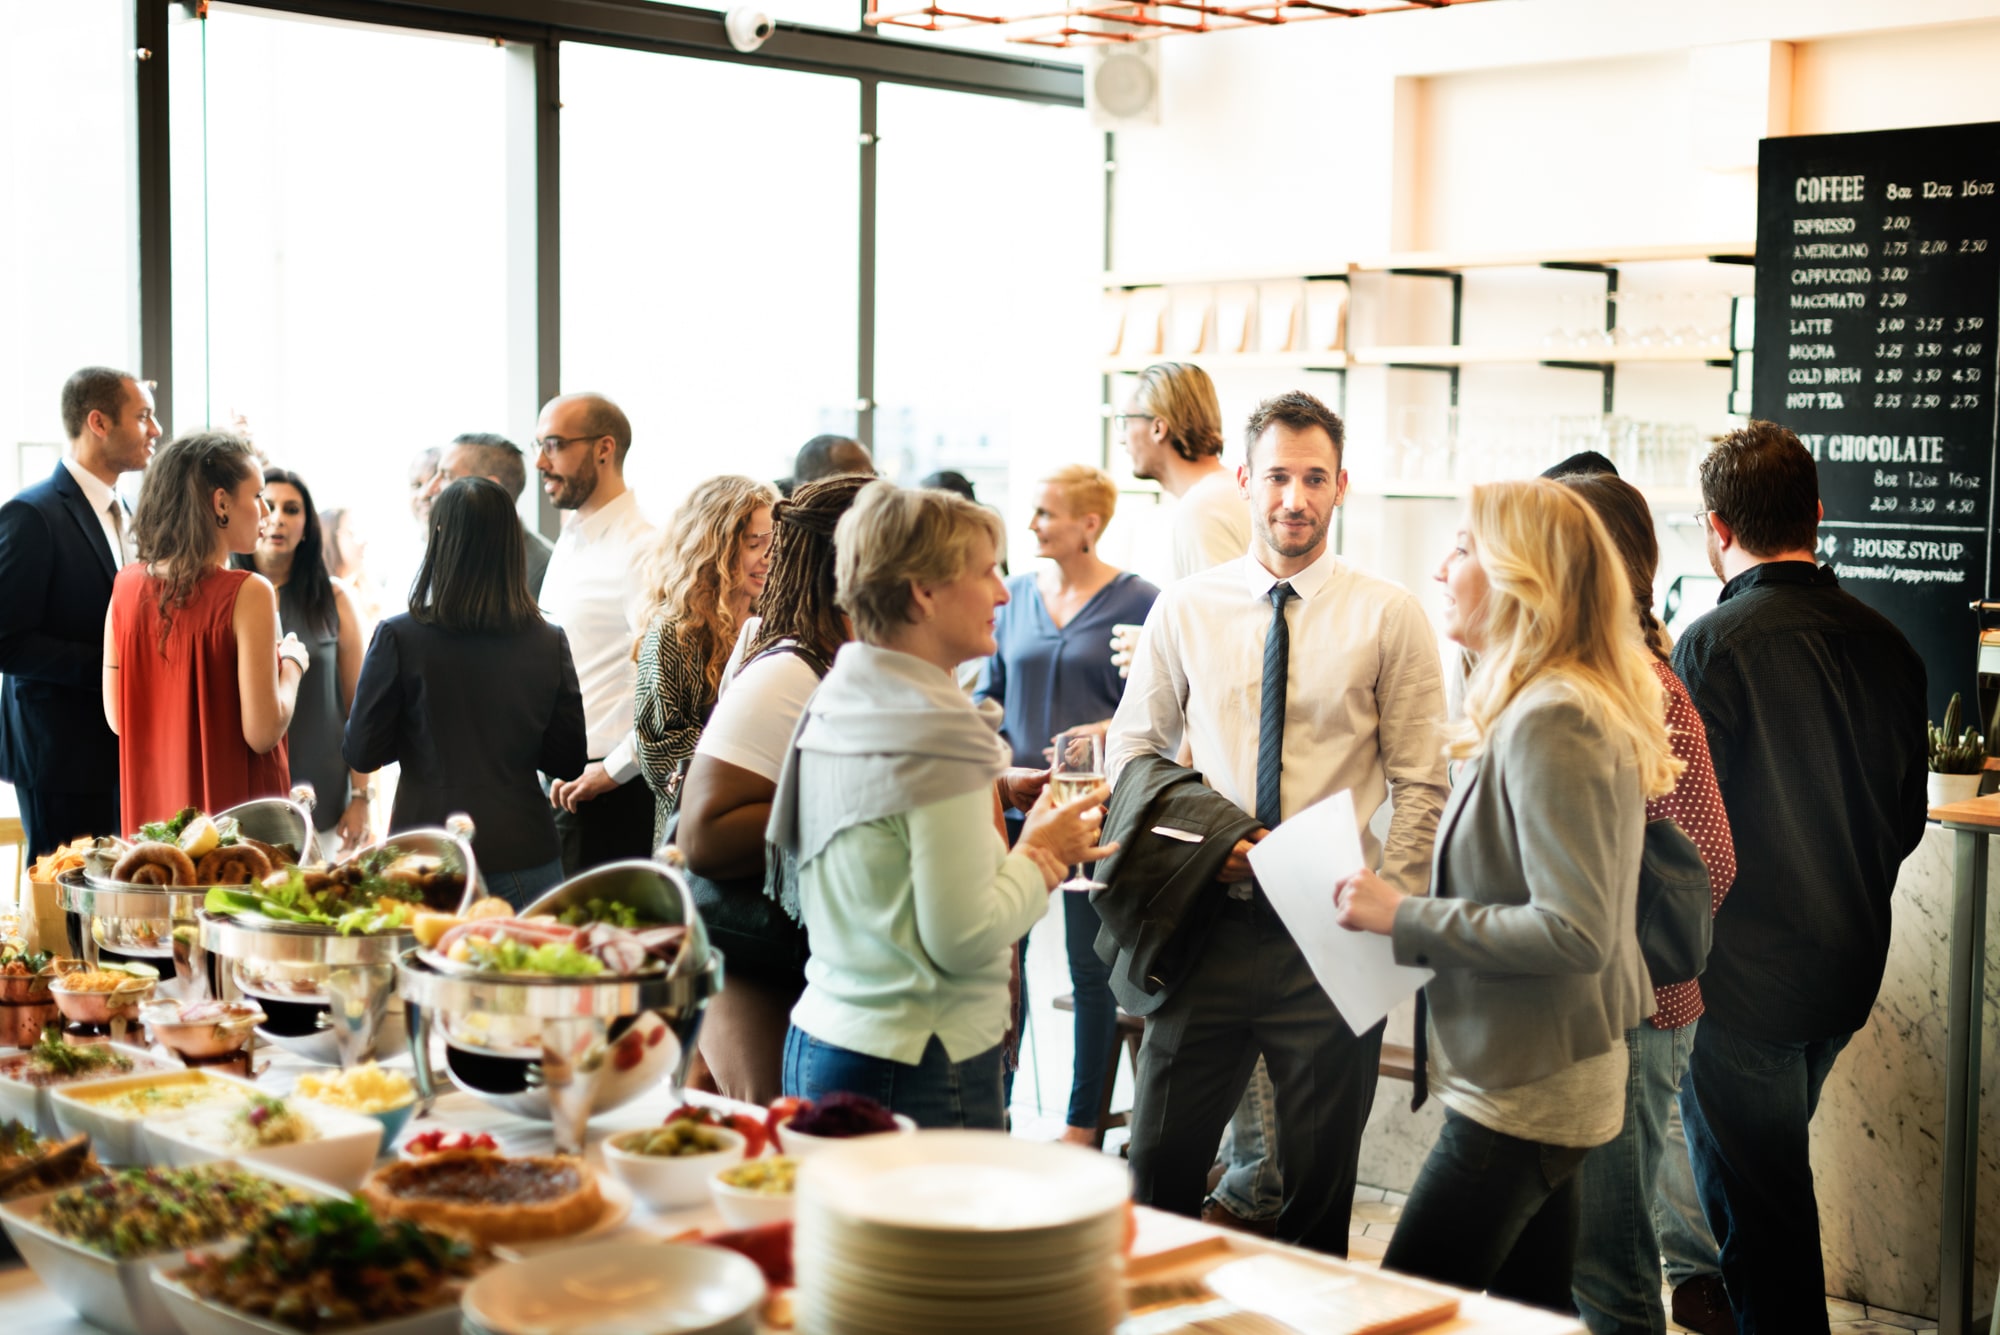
(1364, 699)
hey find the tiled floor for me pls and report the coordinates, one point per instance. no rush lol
(1042, 1086)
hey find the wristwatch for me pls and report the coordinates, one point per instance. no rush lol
(295, 652)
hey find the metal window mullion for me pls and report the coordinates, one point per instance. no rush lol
(151, 169)
(864, 343)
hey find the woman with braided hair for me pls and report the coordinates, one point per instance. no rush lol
(191, 646)
(751, 905)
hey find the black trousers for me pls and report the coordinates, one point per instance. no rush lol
(1492, 1211)
(51, 819)
(1252, 993)
(608, 828)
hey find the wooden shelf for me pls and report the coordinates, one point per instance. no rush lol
(1520, 259)
(1213, 362)
(1660, 498)
(1449, 355)
(1732, 251)
(1117, 278)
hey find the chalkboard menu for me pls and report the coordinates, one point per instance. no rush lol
(1878, 316)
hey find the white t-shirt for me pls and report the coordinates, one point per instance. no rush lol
(1211, 524)
(753, 721)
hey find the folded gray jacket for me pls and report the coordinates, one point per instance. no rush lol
(1160, 893)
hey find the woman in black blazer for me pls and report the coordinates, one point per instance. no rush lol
(474, 692)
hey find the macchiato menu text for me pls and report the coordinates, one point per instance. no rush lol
(1878, 296)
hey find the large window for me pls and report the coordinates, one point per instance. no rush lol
(710, 216)
(68, 281)
(989, 241)
(340, 242)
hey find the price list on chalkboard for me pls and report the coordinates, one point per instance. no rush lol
(1878, 301)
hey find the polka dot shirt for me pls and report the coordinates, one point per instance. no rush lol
(1695, 804)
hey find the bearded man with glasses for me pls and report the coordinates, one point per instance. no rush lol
(592, 590)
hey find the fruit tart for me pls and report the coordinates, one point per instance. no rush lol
(490, 1198)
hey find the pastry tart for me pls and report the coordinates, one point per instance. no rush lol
(490, 1198)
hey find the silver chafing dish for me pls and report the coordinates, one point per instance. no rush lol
(335, 990)
(563, 1049)
(158, 923)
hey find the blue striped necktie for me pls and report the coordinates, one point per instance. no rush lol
(1271, 717)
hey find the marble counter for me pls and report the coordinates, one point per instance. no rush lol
(1878, 1140)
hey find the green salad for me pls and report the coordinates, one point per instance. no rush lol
(599, 910)
(377, 906)
(169, 831)
(506, 955)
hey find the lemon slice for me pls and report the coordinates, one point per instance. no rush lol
(200, 837)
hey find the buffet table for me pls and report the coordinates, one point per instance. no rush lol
(28, 1308)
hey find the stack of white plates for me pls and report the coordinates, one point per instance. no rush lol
(965, 1231)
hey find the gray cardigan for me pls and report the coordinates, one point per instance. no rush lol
(1531, 920)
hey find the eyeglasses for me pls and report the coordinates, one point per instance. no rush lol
(554, 444)
(1123, 418)
(1701, 517)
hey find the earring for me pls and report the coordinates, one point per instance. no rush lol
(222, 521)
(1086, 546)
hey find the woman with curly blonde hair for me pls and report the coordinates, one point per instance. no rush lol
(702, 581)
(1531, 921)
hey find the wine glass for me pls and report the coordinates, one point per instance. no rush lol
(1077, 769)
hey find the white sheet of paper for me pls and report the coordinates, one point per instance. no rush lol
(1297, 864)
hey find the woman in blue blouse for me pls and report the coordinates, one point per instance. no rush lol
(1054, 673)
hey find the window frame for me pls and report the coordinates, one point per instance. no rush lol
(537, 30)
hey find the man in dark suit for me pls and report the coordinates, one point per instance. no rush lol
(61, 543)
(488, 455)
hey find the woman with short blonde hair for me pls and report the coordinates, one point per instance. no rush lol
(887, 803)
(1531, 923)
(1053, 672)
(702, 582)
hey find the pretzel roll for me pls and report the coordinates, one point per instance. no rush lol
(232, 864)
(154, 863)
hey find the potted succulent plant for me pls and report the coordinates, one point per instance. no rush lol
(1957, 759)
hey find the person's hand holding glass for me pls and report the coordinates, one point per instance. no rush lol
(1076, 777)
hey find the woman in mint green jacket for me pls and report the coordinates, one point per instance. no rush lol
(889, 803)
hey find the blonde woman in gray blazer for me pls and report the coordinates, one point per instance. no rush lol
(1530, 921)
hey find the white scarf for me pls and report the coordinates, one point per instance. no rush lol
(888, 733)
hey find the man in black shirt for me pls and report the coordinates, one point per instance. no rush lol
(1815, 711)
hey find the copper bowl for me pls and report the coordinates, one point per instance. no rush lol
(85, 1007)
(17, 989)
(201, 1039)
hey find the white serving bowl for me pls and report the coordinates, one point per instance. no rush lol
(119, 1137)
(614, 1288)
(802, 1146)
(339, 1156)
(116, 1295)
(667, 1182)
(196, 1315)
(741, 1207)
(32, 1105)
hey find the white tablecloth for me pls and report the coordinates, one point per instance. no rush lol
(28, 1308)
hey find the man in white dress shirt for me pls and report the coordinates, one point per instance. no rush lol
(1289, 676)
(592, 590)
(62, 541)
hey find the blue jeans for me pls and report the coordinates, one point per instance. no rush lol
(1628, 1205)
(1251, 1186)
(522, 888)
(936, 1092)
(1096, 1010)
(1492, 1211)
(1748, 1105)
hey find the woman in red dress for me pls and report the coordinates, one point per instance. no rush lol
(196, 683)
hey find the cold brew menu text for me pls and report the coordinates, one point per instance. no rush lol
(1878, 295)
